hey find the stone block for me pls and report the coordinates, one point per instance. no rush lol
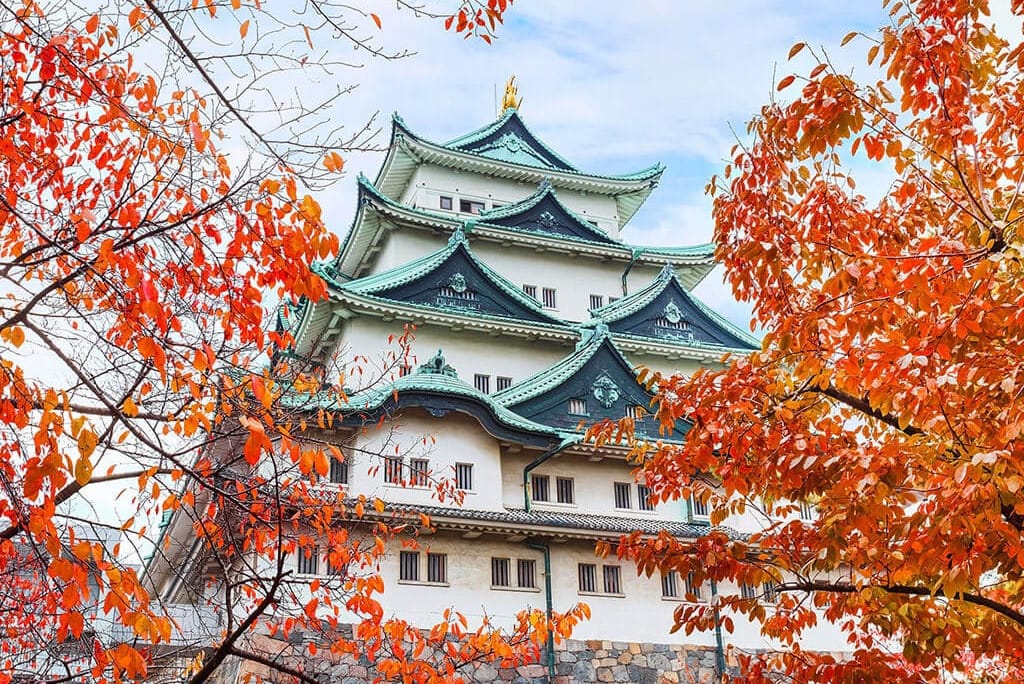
(625, 658)
(604, 674)
(583, 671)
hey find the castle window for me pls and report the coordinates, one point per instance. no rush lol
(418, 472)
(771, 592)
(526, 573)
(699, 509)
(692, 588)
(808, 511)
(612, 579)
(336, 569)
(663, 322)
(500, 572)
(503, 383)
(588, 578)
(577, 406)
(670, 584)
(635, 412)
(393, 470)
(446, 202)
(530, 291)
(539, 487)
(309, 561)
(470, 206)
(596, 301)
(339, 471)
(409, 566)
(464, 476)
(643, 498)
(482, 383)
(564, 490)
(437, 568)
(748, 591)
(622, 495)
(548, 294)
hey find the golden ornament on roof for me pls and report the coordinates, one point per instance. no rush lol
(509, 101)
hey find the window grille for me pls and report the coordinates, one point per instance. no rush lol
(336, 569)
(500, 572)
(622, 495)
(670, 584)
(808, 511)
(643, 497)
(700, 508)
(482, 383)
(748, 591)
(339, 471)
(548, 294)
(663, 322)
(418, 472)
(588, 577)
(578, 407)
(309, 560)
(771, 592)
(393, 470)
(612, 576)
(635, 412)
(596, 301)
(503, 383)
(692, 588)
(464, 476)
(437, 568)
(530, 291)
(409, 566)
(526, 573)
(564, 490)
(539, 488)
(451, 293)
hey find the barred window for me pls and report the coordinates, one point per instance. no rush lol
(612, 576)
(526, 573)
(482, 383)
(500, 572)
(699, 508)
(622, 490)
(748, 591)
(643, 497)
(337, 568)
(635, 412)
(464, 476)
(670, 584)
(693, 589)
(539, 488)
(771, 592)
(503, 383)
(808, 511)
(548, 294)
(409, 566)
(596, 301)
(588, 577)
(339, 471)
(437, 567)
(309, 561)
(578, 407)
(530, 291)
(564, 490)
(418, 472)
(392, 470)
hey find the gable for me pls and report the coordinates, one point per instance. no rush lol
(549, 216)
(513, 142)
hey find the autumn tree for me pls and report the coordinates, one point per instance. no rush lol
(888, 391)
(137, 348)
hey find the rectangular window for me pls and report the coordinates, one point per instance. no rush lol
(470, 206)
(588, 578)
(622, 490)
(635, 412)
(496, 205)
(336, 569)
(409, 566)
(482, 383)
(464, 476)
(404, 370)
(692, 589)
(577, 407)
(808, 511)
(446, 202)
(392, 470)
(437, 568)
(539, 488)
(612, 579)
(503, 383)
(748, 591)
(564, 490)
(548, 294)
(771, 592)
(643, 498)
(309, 561)
(526, 573)
(339, 471)
(596, 301)
(699, 508)
(530, 291)
(418, 472)
(500, 572)
(670, 584)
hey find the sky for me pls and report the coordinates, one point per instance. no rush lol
(612, 86)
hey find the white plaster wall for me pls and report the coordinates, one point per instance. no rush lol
(468, 352)
(402, 245)
(455, 438)
(429, 182)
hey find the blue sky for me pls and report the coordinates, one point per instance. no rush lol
(613, 86)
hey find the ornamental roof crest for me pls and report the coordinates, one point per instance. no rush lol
(605, 391)
(672, 313)
(438, 366)
(457, 283)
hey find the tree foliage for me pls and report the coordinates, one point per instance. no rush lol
(138, 351)
(888, 391)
